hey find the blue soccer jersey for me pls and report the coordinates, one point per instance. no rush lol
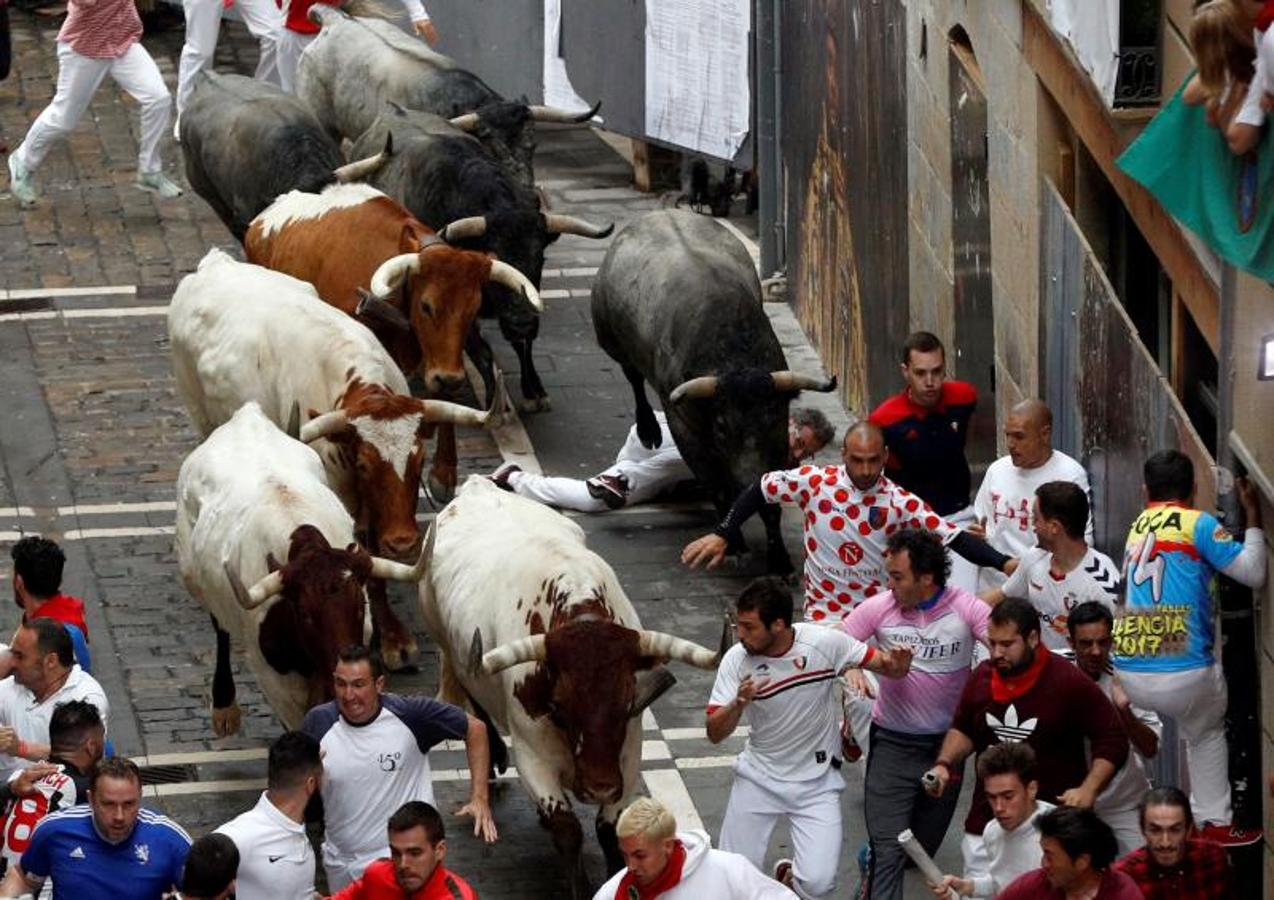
(1171, 560)
(65, 846)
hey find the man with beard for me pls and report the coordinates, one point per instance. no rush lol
(414, 869)
(1173, 865)
(1026, 693)
(784, 676)
(1091, 626)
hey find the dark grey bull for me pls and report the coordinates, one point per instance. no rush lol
(449, 181)
(677, 303)
(246, 142)
(358, 63)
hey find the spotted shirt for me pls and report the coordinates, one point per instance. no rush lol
(845, 533)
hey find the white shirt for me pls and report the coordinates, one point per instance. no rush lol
(1130, 783)
(372, 769)
(709, 874)
(30, 720)
(1095, 578)
(1012, 853)
(1006, 498)
(793, 733)
(845, 533)
(276, 861)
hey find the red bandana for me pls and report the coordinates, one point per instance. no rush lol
(629, 889)
(1265, 17)
(1005, 689)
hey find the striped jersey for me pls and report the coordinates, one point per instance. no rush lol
(793, 732)
(1170, 563)
(62, 789)
(144, 866)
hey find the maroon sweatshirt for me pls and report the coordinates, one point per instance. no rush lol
(1054, 707)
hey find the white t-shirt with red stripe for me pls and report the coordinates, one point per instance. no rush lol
(845, 533)
(793, 732)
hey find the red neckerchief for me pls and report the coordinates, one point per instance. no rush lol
(1265, 17)
(629, 889)
(1005, 689)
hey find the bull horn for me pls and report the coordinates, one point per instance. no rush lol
(467, 122)
(462, 229)
(365, 168)
(293, 429)
(459, 414)
(326, 425)
(786, 382)
(555, 223)
(389, 275)
(703, 386)
(650, 687)
(377, 311)
(396, 571)
(563, 116)
(658, 643)
(505, 274)
(527, 649)
(253, 597)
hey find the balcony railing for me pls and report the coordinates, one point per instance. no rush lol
(1137, 83)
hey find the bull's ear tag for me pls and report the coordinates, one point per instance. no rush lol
(475, 653)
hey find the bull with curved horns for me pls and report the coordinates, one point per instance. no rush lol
(677, 303)
(571, 668)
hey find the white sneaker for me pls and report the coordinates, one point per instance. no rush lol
(158, 183)
(20, 184)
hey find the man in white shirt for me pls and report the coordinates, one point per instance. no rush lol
(276, 861)
(670, 865)
(1091, 627)
(375, 758)
(1012, 838)
(1063, 571)
(1005, 499)
(784, 676)
(44, 674)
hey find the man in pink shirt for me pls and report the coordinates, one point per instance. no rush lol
(939, 623)
(98, 38)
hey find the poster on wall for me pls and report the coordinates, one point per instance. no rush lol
(697, 93)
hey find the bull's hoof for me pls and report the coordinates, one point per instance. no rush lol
(398, 655)
(439, 492)
(535, 404)
(226, 720)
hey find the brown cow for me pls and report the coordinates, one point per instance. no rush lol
(352, 237)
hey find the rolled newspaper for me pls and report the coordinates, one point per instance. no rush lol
(924, 862)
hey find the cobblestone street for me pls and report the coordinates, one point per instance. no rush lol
(94, 435)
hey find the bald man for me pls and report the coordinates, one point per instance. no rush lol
(1004, 502)
(848, 512)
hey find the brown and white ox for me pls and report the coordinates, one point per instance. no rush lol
(570, 670)
(241, 333)
(247, 497)
(352, 239)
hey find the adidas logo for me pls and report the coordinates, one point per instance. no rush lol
(1010, 731)
(77, 853)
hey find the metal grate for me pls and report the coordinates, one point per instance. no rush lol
(169, 774)
(1137, 83)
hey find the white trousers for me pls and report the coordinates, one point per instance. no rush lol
(78, 80)
(858, 710)
(964, 574)
(813, 810)
(1126, 825)
(1196, 700)
(291, 45)
(203, 22)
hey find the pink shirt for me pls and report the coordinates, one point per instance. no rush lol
(940, 634)
(101, 29)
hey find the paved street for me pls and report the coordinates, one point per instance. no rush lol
(93, 436)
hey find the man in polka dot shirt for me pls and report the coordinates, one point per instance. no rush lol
(849, 511)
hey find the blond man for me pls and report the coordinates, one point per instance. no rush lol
(662, 862)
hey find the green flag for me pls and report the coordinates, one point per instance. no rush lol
(1228, 201)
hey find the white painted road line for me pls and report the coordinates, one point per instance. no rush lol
(37, 293)
(202, 756)
(669, 788)
(113, 312)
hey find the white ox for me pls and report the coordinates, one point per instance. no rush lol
(254, 508)
(240, 332)
(570, 669)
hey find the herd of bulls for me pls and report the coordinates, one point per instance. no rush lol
(301, 500)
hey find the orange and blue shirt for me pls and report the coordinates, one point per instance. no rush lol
(1170, 565)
